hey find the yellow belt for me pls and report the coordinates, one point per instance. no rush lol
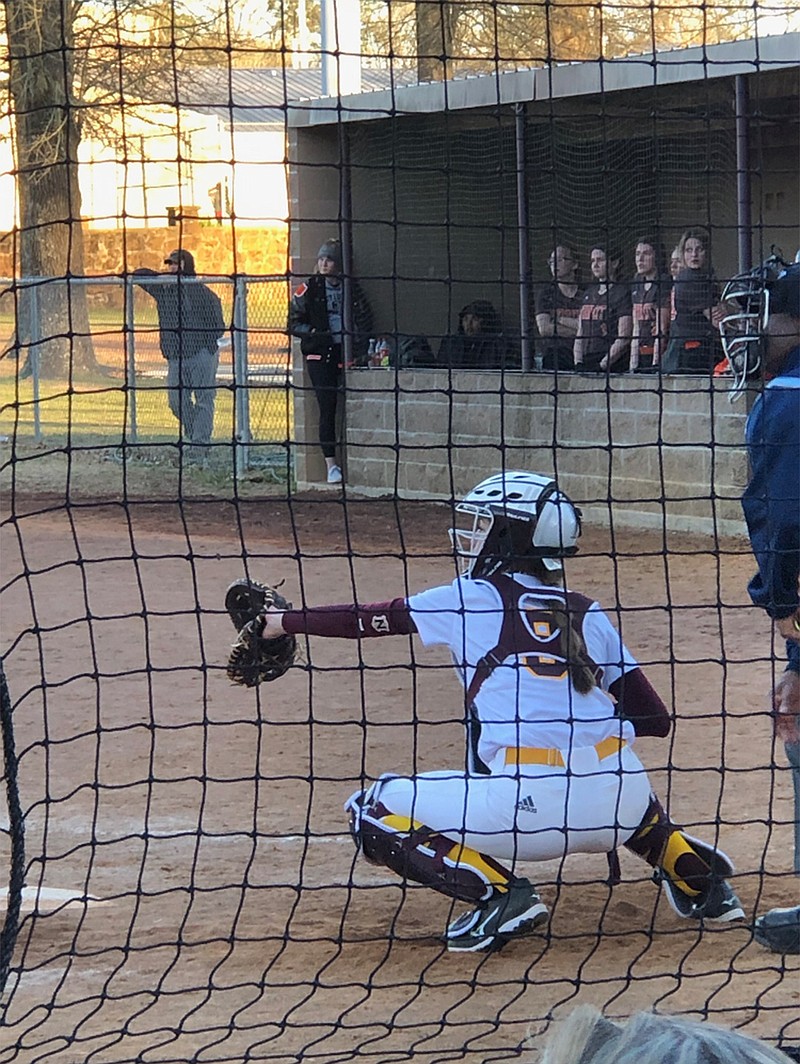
(535, 755)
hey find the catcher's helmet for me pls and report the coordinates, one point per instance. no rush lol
(743, 329)
(515, 515)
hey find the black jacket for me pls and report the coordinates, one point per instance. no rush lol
(189, 314)
(487, 349)
(308, 320)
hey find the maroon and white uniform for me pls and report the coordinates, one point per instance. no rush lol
(595, 793)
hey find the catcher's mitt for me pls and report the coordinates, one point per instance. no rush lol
(254, 659)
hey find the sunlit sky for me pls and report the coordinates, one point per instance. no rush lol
(774, 16)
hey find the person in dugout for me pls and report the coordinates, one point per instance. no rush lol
(605, 323)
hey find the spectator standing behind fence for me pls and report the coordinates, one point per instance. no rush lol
(694, 345)
(606, 322)
(317, 317)
(587, 1037)
(651, 298)
(190, 322)
(479, 342)
(771, 502)
(558, 308)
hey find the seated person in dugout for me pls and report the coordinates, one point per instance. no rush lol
(675, 262)
(555, 702)
(558, 306)
(651, 297)
(606, 319)
(694, 341)
(479, 342)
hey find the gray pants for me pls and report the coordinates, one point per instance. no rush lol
(191, 391)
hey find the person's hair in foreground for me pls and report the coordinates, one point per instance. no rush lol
(587, 1037)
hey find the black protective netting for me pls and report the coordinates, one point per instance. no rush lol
(178, 880)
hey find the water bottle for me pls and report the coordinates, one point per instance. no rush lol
(371, 354)
(383, 353)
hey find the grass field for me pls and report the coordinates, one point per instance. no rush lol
(82, 438)
(104, 407)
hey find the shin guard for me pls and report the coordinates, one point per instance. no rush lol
(417, 853)
(687, 862)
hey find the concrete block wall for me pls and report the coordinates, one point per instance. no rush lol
(660, 453)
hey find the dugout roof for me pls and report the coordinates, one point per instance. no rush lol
(681, 67)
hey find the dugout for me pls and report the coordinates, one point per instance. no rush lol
(453, 191)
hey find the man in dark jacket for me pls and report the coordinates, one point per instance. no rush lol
(771, 506)
(190, 323)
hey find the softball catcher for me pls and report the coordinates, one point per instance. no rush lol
(555, 702)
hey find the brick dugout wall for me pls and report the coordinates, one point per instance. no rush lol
(661, 451)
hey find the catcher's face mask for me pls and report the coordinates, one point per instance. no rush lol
(468, 540)
(744, 327)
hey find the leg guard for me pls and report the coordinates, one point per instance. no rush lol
(687, 862)
(417, 853)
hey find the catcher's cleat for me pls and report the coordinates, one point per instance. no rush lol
(508, 914)
(693, 897)
(717, 904)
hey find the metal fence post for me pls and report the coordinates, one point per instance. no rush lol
(130, 358)
(34, 341)
(241, 394)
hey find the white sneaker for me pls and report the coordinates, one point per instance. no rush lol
(334, 475)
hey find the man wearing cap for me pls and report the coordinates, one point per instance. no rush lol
(190, 323)
(317, 317)
(771, 504)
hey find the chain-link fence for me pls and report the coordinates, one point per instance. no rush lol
(83, 357)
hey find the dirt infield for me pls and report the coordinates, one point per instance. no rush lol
(228, 919)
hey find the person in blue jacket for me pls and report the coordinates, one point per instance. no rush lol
(764, 331)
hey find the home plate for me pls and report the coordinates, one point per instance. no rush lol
(48, 899)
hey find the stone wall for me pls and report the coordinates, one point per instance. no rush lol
(665, 453)
(216, 248)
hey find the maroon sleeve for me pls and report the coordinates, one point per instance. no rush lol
(638, 702)
(352, 621)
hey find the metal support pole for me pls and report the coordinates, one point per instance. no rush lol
(522, 239)
(347, 247)
(35, 340)
(743, 185)
(329, 48)
(130, 360)
(241, 386)
(348, 324)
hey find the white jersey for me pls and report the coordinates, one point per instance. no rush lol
(528, 699)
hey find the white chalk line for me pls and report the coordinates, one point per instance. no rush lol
(50, 899)
(124, 833)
